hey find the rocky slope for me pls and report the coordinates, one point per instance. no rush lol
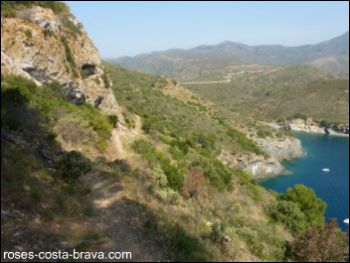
(46, 47)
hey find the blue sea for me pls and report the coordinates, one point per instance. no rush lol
(321, 152)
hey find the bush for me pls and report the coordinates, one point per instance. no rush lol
(264, 133)
(146, 125)
(195, 184)
(308, 202)
(158, 176)
(206, 141)
(174, 176)
(217, 232)
(218, 174)
(325, 243)
(245, 178)
(113, 120)
(289, 214)
(72, 165)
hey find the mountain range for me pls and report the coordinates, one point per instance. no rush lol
(331, 56)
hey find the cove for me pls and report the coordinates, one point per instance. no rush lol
(322, 151)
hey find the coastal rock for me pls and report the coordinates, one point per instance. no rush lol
(256, 165)
(320, 127)
(284, 148)
(307, 125)
(261, 169)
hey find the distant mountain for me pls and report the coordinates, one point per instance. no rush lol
(331, 56)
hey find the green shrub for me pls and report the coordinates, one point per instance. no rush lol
(206, 141)
(158, 176)
(217, 232)
(72, 165)
(113, 120)
(174, 176)
(245, 178)
(308, 202)
(176, 153)
(289, 214)
(218, 174)
(121, 167)
(264, 133)
(146, 125)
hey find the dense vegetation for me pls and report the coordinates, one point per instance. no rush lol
(299, 208)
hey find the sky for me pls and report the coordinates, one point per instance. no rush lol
(131, 28)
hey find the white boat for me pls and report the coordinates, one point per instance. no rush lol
(326, 170)
(346, 221)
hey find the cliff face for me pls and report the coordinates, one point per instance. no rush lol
(47, 47)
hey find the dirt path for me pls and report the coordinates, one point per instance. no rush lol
(228, 77)
(120, 220)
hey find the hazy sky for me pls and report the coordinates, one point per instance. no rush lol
(130, 28)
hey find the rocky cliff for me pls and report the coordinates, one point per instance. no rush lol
(47, 47)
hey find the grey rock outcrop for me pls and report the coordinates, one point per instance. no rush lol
(44, 47)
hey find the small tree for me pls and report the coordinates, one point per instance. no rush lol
(312, 206)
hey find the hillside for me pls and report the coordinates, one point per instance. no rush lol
(331, 56)
(98, 158)
(281, 94)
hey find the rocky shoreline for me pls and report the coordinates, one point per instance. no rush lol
(311, 126)
(278, 149)
(287, 147)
